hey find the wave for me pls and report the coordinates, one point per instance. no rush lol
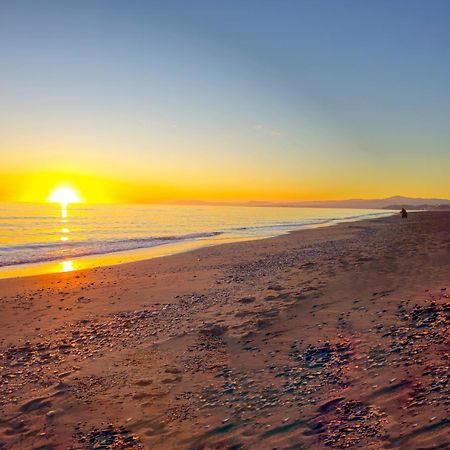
(39, 252)
(289, 226)
(76, 249)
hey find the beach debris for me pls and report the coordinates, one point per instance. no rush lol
(110, 437)
(214, 330)
(352, 423)
(247, 300)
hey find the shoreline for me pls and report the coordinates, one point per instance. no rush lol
(145, 253)
(318, 338)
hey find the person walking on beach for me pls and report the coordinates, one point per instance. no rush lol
(404, 213)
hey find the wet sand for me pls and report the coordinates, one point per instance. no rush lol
(329, 338)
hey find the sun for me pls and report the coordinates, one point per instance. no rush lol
(64, 195)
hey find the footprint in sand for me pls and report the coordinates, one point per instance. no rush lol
(37, 403)
(174, 379)
(144, 382)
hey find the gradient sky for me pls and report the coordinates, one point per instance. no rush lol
(236, 100)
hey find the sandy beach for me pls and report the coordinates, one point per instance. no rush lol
(334, 337)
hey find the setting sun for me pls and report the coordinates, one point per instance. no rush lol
(64, 195)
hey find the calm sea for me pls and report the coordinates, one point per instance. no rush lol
(41, 233)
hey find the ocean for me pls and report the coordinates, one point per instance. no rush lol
(34, 235)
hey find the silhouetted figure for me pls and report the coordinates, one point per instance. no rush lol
(404, 213)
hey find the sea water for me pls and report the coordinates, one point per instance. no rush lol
(37, 234)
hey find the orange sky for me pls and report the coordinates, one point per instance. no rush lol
(36, 187)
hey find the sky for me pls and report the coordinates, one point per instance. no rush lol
(141, 101)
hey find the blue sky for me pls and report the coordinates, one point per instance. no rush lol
(342, 94)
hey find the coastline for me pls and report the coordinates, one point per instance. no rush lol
(267, 343)
(75, 263)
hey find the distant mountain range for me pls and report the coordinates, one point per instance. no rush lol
(394, 202)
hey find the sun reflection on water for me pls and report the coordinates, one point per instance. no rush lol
(64, 236)
(67, 266)
(64, 220)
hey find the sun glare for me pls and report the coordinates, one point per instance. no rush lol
(64, 196)
(67, 266)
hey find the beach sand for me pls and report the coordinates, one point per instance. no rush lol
(334, 337)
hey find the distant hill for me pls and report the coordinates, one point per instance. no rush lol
(395, 202)
(384, 203)
(421, 207)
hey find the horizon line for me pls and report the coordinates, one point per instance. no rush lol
(268, 203)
